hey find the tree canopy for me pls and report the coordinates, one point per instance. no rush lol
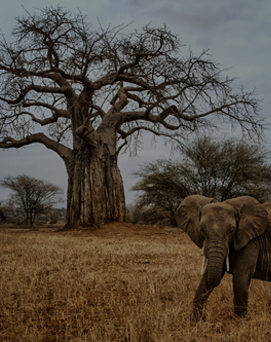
(209, 167)
(33, 196)
(86, 93)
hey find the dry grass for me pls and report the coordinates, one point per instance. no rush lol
(119, 283)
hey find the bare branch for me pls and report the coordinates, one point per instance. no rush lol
(121, 103)
(57, 113)
(64, 152)
(135, 129)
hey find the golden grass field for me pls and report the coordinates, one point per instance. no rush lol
(122, 282)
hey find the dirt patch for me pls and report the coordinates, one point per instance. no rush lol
(117, 230)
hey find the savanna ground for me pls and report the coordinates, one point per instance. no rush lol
(121, 282)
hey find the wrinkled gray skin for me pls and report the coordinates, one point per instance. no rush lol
(239, 229)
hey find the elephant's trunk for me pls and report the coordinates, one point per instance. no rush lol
(216, 258)
(214, 272)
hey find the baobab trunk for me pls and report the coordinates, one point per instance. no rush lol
(95, 188)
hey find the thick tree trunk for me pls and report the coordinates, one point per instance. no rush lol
(95, 189)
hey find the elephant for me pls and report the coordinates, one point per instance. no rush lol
(236, 238)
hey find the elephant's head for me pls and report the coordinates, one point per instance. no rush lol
(215, 225)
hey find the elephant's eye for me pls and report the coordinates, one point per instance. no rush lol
(231, 230)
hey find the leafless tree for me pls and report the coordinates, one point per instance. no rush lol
(86, 94)
(33, 196)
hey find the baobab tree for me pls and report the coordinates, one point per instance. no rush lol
(87, 93)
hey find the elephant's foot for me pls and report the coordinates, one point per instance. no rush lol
(240, 311)
(197, 315)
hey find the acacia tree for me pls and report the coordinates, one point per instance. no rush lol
(86, 94)
(209, 167)
(33, 196)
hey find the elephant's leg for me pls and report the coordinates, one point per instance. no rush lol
(202, 294)
(244, 267)
(241, 282)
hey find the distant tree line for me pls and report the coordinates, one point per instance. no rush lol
(210, 167)
(2, 216)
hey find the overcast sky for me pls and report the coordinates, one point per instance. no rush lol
(237, 34)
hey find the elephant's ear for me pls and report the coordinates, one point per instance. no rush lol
(253, 220)
(187, 217)
(267, 207)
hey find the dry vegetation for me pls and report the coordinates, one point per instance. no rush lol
(118, 283)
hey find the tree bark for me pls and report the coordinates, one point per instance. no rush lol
(95, 187)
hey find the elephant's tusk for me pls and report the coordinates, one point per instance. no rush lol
(227, 264)
(203, 265)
